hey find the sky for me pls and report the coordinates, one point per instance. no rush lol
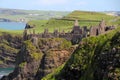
(62, 5)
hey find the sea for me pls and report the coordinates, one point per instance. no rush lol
(5, 71)
(12, 25)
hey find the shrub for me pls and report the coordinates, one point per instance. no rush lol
(65, 44)
(1, 62)
(36, 56)
(22, 64)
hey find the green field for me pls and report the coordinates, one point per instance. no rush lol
(66, 23)
(12, 32)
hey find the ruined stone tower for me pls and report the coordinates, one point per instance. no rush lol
(93, 31)
(34, 40)
(46, 31)
(56, 33)
(76, 28)
(101, 27)
(76, 23)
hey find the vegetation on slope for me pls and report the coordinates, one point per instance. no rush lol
(33, 50)
(93, 56)
(59, 43)
(52, 75)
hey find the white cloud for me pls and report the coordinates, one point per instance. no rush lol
(50, 2)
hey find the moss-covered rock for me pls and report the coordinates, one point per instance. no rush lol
(33, 62)
(27, 62)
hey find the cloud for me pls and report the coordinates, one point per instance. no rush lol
(50, 2)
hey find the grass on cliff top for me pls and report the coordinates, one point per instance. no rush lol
(60, 42)
(39, 25)
(66, 23)
(12, 32)
(35, 54)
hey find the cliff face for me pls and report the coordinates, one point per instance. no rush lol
(108, 66)
(36, 60)
(27, 63)
(96, 58)
(9, 47)
(51, 60)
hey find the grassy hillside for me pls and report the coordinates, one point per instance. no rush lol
(12, 32)
(84, 15)
(66, 23)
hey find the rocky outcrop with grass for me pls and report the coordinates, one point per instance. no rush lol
(9, 47)
(96, 58)
(35, 61)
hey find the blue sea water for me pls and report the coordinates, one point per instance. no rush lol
(5, 71)
(12, 25)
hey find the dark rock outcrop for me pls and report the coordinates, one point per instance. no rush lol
(29, 26)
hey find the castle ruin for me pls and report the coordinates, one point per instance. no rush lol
(100, 29)
(76, 34)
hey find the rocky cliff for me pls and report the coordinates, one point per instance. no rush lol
(9, 47)
(36, 60)
(96, 58)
